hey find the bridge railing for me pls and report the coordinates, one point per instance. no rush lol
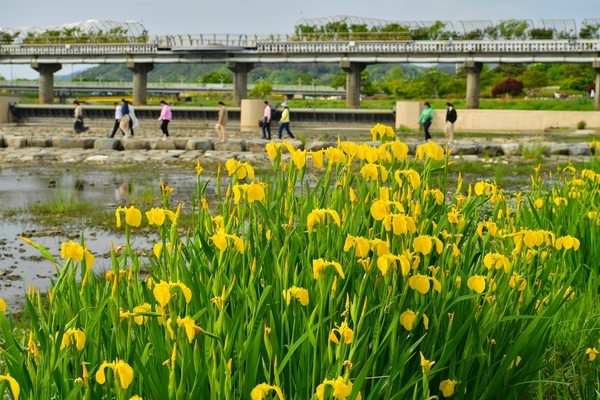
(434, 46)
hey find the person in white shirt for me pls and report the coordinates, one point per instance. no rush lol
(118, 115)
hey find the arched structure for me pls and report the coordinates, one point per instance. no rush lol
(561, 28)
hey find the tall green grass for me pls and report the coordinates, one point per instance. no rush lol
(351, 272)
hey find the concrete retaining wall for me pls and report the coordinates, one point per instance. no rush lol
(407, 114)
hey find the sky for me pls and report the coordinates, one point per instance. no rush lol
(161, 17)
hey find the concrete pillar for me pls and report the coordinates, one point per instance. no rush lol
(353, 70)
(250, 112)
(140, 81)
(46, 91)
(597, 90)
(240, 80)
(473, 70)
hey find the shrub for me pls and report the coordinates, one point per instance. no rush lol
(581, 125)
(508, 86)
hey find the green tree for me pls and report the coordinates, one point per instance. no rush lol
(510, 70)
(261, 90)
(534, 80)
(216, 77)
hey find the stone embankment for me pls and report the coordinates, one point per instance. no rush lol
(57, 146)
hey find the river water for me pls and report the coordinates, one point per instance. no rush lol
(22, 187)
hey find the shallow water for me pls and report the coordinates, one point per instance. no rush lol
(21, 264)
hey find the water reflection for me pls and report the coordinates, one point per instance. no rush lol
(122, 191)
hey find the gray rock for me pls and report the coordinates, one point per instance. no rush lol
(558, 149)
(39, 141)
(579, 149)
(16, 141)
(230, 145)
(462, 148)
(108, 144)
(256, 145)
(318, 145)
(199, 144)
(511, 149)
(136, 144)
(164, 145)
(180, 143)
(73, 143)
(489, 149)
(97, 158)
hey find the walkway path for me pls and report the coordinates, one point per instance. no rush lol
(52, 143)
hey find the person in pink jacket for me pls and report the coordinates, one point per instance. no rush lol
(165, 118)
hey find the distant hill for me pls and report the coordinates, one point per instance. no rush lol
(275, 73)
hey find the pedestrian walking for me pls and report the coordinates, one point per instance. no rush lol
(125, 119)
(118, 115)
(266, 125)
(450, 120)
(426, 119)
(284, 122)
(134, 123)
(78, 118)
(221, 121)
(164, 118)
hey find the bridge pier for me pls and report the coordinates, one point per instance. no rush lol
(46, 90)
(597, 90)
(240, 80)
(140, 81)
(473, 70)
(353, 70)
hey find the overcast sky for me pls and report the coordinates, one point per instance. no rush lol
(161, 17)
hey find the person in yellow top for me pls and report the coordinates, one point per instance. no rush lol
(284, 122)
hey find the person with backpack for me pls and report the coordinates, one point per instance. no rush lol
(450, 120)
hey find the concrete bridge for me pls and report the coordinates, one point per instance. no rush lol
(241, 53)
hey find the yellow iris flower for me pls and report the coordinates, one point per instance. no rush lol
(567, 242)
(156, 216)
(190, 327)
(220, 240)
(14, 385)
(344, 331)
(162, 292)
(424, 244)
(476, 283)
(133, 216)
(426, 364)
(261, 390)
(299, 293)
(447, 387)
(591, 352)
(341, 389)
(319, 266)
(71, 250)
(318, 216)
(240, 169)
(73, 336)
(123, 373)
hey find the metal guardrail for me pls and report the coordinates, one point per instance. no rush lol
(168, 86)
